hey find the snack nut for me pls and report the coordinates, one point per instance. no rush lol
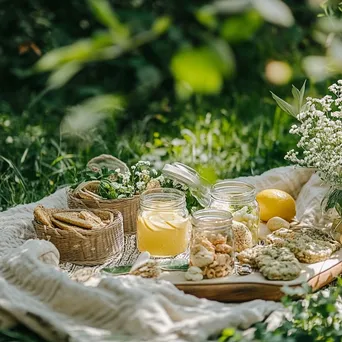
(217, 239)
(212, 255)
(223, 248)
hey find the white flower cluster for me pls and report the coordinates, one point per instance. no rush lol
(320, 131)
(140, 177)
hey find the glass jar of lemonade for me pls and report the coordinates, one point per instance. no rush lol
(164, 225)
(239, 198)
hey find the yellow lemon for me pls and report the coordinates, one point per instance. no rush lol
(273, 202)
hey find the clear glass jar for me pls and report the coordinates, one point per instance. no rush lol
(239, 198)
(331, 218)
(164, 225)
(212, 243)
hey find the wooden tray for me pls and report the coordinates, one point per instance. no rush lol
(255, 286)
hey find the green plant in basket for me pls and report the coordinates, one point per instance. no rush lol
(115, 184)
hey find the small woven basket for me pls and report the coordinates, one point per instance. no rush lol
(85, 197)
(108, 161)
(85, 246)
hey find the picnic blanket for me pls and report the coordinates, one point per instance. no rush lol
(53, 301)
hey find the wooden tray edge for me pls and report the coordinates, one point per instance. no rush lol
(243, 292)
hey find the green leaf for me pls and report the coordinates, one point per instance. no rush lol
(161, 25)
(242, 27)
(301, 94)
(296, 94)
(201, 70)
(79, 51)
(206, 17)
(90, 113)
(117, 269)
(286, 107)
(223, 56)
(105, 14)
(275, 12)
(330, 24)
(63, 74)
(318, 68)
(231, 6)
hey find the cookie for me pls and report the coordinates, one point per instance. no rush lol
(310, 245)
(248, 256)
(278, 263)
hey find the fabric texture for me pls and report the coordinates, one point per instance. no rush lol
(71, 303)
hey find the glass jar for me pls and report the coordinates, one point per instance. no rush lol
(212, 243)
(163, 227)
(331, 218)
(239, 198)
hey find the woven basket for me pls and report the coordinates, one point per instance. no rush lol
(84, 197)
(108, 161)
(85, 246)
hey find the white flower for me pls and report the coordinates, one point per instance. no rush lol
(320, 131)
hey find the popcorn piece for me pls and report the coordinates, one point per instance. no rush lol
(223, 248)
(194, 274)
(153, 184)
(202, 256)
(148, 270)
(222, 259)
(217, 239)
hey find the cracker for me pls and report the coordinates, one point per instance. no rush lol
(91, 217)
(309, 245)
(73, 219)
(248, 256)
(42, 215)
(278, 263)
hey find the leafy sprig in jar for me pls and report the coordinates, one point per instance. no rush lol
(239, 198)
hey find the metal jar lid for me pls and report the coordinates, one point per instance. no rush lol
(185, 175)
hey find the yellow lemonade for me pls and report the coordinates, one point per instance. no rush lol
(163, 234)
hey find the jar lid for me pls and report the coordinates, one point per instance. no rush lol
(185, 175)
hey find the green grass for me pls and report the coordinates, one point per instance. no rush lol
(248, 138)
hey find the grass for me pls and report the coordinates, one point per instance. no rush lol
(224, 142)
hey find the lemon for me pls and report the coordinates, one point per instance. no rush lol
(273, 202)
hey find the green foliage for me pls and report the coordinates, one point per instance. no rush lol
(315, 318)
(241, 27)
(335, 201)
(297, 107)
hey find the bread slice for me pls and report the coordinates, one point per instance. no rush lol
(91, 217)
(73, 219)
(42, 215)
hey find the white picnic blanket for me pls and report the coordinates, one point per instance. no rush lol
(37, 293)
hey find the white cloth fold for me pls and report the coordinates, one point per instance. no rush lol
(35, 292)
